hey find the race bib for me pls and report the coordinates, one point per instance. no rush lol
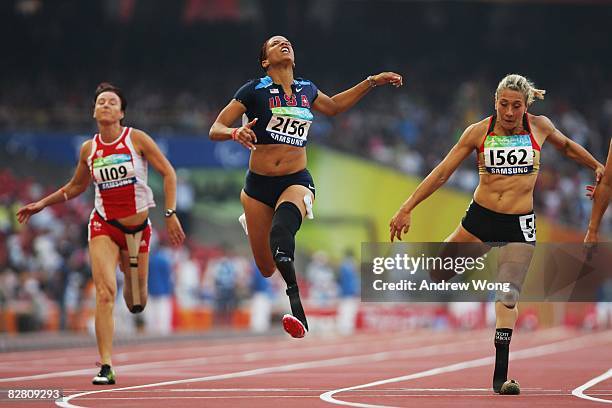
(288, 130)
(113, 171)
(290, 125)
(528, 227)
(508, 155)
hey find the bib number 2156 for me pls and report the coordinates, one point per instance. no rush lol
(289, 126)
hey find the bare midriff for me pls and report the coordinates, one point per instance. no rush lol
(277, 160)
(506, 194)
(133, 220)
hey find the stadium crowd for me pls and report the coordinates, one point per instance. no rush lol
(177, 79)
(44, 269)
(403, 131)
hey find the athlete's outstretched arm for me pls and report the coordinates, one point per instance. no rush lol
(345, 100)
(150, 151)
(601, 199)
(436, 179)
(570, 148)
(76, 186)
(221, 130)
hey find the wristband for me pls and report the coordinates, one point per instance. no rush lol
(234, 134)
(371, 81)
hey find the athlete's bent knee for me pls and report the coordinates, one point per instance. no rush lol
(508, 298)
(285, 224)
(105, 295)
(266, 270)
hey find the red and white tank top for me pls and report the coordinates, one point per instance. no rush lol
(119, 175)
(509, 155)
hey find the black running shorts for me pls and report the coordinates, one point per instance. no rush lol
(499, 229)
(268, 189)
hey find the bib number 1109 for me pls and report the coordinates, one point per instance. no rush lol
(112, 173)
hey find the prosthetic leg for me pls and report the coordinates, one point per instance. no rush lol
(133, 244)
(285, 224)
(133, 236)
(513, 265)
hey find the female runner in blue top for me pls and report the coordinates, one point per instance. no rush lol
(279, 191)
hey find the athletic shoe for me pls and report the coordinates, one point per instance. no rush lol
(293, 326)
(106, 376)
(296, 305)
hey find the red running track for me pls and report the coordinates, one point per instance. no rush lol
(399, 369)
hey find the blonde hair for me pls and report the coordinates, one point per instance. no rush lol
(520, 84)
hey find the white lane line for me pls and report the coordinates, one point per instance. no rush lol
(484, 395)
(437, 350)
(237, 390)
(316, 390)
(232, 357)
(201, 397)
(579, 392)
(128, 355)
(251, 356)
(488, 395)
(552, 348)
(25, 357)
(19, 357)
(213, 350)
(401, 390)
(190, 350)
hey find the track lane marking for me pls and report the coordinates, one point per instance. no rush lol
(437, 349)
(579, 391)
(542, 350)
(250, 356)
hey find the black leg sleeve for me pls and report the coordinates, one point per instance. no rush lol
(285, 224)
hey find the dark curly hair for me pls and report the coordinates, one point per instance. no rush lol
(263, 54)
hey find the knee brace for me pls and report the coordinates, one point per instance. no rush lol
(509, 298)
(285, 224)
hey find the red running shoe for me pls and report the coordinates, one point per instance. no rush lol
(293, 326)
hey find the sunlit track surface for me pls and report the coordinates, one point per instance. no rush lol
(397, 369)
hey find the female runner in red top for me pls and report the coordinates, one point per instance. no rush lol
(116, 161)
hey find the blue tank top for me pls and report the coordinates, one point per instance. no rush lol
(281, 119)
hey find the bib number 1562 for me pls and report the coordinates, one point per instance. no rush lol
(509, 157)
